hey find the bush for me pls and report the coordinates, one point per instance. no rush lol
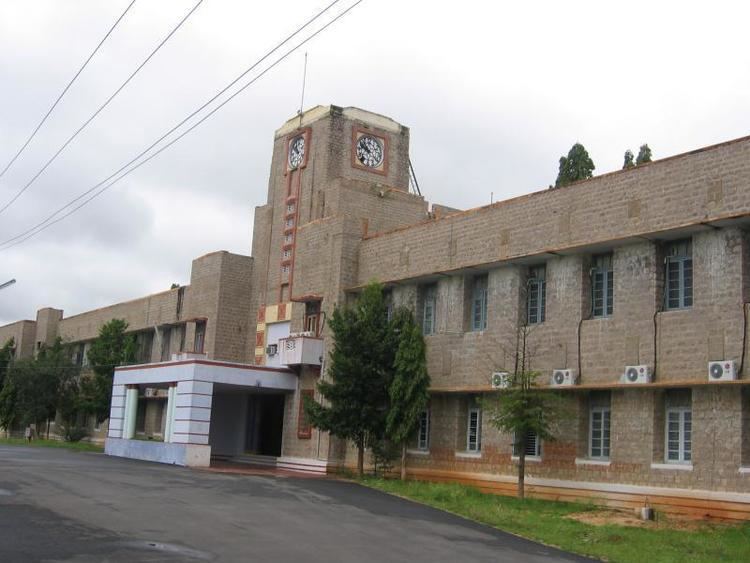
(384, 453)
(75, 433)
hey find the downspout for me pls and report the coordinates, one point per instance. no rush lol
(744, 337)
(580, 322)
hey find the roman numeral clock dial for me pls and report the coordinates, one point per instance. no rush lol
(370, 151)
(296, 152)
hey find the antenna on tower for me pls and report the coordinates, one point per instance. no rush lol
(302, 97)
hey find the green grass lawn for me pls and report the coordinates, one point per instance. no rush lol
(78, 446)
(547, 522)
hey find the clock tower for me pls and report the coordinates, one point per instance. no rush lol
(337, 175)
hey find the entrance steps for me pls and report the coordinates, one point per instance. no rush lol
(300, 464)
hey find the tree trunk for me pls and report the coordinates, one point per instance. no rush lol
(403, 461)
(361, 459)
(521, 465)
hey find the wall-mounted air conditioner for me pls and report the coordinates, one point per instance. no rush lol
(500, 380)
(563, 377)
(636, 374)
(724, 370)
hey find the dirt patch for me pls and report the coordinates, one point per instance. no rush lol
(607, 517)
(619, 518)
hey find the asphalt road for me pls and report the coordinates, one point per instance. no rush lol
(58, 505)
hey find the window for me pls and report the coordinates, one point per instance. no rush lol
(602, 286)
(289, 223)
(388, 299)
(287, 254)
(423, 432)
(678, 290)
(678, 433)
(200, 336)
(312, 317)
(536, 297)
(166, 343)
(304, 428)
(533, 445)
(479, 304)
(288, 238)
(599, 428)
(429, 306)
(474, 430)
(289, 208)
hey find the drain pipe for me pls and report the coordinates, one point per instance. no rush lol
(744, 337)
(586, 318)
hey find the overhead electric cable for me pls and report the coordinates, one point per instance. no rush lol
(48, 222)
(65, 90)
(98, 111)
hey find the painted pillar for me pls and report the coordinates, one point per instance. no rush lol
(170, 414)
(117, 412)
(192, 417)
(131, 412)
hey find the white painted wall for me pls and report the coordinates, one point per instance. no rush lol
(276, 331)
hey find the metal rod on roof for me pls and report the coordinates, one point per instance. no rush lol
(8, 283)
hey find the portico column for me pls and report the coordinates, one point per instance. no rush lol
(170, 413)
(131, 412)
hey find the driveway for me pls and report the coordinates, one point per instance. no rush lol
(58, 505)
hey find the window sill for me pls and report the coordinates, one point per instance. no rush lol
(468, 455)
(675, 466)
(587, 461)
(417, 452)
(531, 458)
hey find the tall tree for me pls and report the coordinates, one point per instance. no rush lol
(112, 348)
(32, 390)
(408, 391)
(628, 161)
(522, 409)
(6, 357)
(576, 166)
(359, 374)
(644, 155)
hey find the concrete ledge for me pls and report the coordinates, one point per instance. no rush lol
(190, 455)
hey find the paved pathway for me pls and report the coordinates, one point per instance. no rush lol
(58, 505)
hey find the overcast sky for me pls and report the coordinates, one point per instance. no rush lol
(494, 93)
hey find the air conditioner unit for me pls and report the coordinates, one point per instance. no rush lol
(308, 333)
(636, 374)
(563, 377)
(500, 380)
(151, 392)
(272, 349)
(725, 370)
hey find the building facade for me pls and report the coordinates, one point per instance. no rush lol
(631, 290)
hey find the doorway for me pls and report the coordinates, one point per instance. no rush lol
(265, 424)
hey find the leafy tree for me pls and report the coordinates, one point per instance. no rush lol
(576, 166)
(6, 357)
(111, 348)
(628, 163)
(523, 408)
(644, 155)
(359, 374)
(33, 387)
(408, 391)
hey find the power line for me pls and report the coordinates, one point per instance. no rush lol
(60, 97)
(98, 111)
(103, 185)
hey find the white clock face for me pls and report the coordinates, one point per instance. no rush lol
(370, 151)
(296, 151)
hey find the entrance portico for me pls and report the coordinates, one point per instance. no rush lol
(195, 387)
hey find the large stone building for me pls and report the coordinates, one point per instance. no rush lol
(632, 285)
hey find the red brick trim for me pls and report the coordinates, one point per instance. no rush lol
(202, 362)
